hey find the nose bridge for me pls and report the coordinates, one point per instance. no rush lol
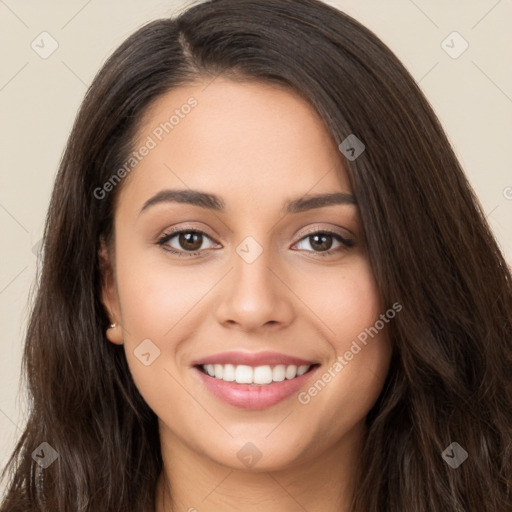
(253, 280)
(254, 295)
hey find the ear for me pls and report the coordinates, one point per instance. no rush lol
(109, 296)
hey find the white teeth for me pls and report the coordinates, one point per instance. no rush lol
(244, 374)
(279, 373)
(229, 373)
(219, 371)
(262, 375)
(301, 370)
(291, 371)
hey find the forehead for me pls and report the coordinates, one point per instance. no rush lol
(232, 139)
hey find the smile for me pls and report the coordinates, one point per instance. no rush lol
(259, 375)
(253, 380)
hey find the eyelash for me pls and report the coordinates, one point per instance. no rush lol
(166, 237)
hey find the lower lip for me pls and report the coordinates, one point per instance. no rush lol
(248, 396)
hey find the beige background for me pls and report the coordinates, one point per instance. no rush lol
(39, 98)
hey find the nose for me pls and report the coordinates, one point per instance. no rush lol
(255, 295)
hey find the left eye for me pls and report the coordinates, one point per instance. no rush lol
(322, 241)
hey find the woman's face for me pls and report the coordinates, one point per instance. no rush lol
(263, 282)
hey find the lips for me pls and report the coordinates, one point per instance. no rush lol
(253, 380)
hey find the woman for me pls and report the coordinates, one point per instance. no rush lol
(266, 284)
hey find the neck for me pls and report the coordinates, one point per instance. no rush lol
(191, 482)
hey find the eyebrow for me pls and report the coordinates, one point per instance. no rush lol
(216, 203)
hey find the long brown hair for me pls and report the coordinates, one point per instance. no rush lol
(428, 241)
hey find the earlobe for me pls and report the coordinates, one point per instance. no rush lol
(115, 334)
(109, 294)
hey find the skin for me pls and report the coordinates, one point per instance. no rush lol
(256, 146)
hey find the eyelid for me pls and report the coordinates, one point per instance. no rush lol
(321, 229)
(181, 229)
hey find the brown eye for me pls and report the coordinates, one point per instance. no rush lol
(322, 242)
(190, 241)
(184, 241)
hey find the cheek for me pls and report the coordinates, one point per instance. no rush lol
(357, 306)
(361, 342)
(344, 301)
(154, 295)
(157, 303)
(352, 379)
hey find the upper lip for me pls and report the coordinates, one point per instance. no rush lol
(252, 359)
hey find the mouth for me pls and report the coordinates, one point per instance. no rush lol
(253, 381)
